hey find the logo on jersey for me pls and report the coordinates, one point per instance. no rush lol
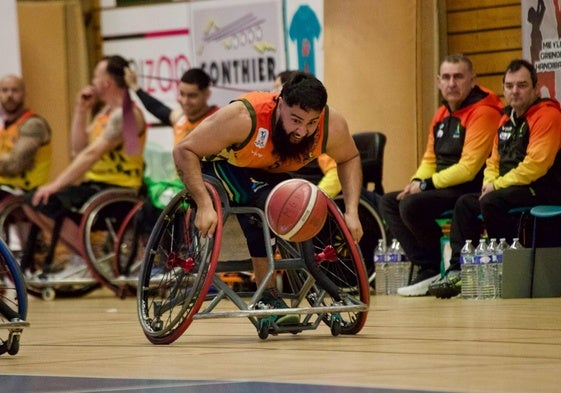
(440, 130)
(256, 185)
(505, 133)
(261, 138)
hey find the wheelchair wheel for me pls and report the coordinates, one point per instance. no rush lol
(334, 260)
(14, 225)
(130, 244)
(13, 297)
(99, 230)
(373, 228)
(178, 269)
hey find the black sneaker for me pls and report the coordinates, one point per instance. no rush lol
(448, 286)
(272, 299)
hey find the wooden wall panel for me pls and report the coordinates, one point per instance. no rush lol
(484, 19)
(489, 32)
(456, 5)
(485, 41)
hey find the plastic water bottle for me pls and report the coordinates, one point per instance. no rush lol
(485, 280)
(516, 245)
(492, 250)
(392, 257)
(468, 271)
(499, 251)
(402, 268)
(381, 267)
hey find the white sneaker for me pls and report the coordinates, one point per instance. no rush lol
(419, 289)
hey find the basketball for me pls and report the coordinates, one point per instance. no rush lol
(296, 210)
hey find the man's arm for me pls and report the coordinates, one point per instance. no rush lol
(161, 111)
(229, 126)
(341, 147)
(33, 134)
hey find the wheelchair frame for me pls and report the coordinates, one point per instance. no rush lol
(180, 266)
(94, 215)
(13, 301)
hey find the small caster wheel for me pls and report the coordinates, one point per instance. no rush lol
(48, 294)
(14, 345)
(264, 325)
(335, 325)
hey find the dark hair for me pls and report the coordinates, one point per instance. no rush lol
(456, 58)
(116, 69)
(196, 76)
(517, 64)
(285, 75)
(305, 90)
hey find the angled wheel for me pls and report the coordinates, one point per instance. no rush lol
(99, 229)
(178, 268)
(14, 224)
(334, 260)
(13, 298)
(373, 227)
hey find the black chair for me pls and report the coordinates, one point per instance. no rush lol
(371, 145)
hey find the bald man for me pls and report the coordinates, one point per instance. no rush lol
(25, 139)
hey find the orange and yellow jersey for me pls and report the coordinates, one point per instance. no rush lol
(116, 166)
(527, 149)
(39, 173)
(184, 126)
(257, 151)
(460, 141)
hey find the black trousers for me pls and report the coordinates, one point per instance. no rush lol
(493, 207)
(412, 222)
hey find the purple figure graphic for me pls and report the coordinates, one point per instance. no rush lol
(535, 17)
(304, 29)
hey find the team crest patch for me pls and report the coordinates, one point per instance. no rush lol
(262, 137)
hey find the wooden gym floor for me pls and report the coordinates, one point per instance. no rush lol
(95, 343)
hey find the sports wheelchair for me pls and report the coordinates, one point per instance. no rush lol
(327, 278)
(88, 238)
(13, 301)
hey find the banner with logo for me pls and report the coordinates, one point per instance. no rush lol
(240, 44)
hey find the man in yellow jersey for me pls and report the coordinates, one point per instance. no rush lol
(255, 141)
(107, 153)
(25, 140)
(193, 93)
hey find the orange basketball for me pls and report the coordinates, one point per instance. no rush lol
(296, 210)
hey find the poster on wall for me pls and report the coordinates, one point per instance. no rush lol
(239, 44)
(304, 35)
(541, 42)
(11, 63)
(156, 40)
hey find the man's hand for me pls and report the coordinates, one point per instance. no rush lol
(411, 188)
(486, 189)
(43, 194)
(206, 221)
(353, 223)
(130, 79)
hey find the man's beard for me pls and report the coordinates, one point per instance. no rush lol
(287, 150)
(12, 107)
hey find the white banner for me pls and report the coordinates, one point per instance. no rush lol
(240, 44)
(9, 44)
